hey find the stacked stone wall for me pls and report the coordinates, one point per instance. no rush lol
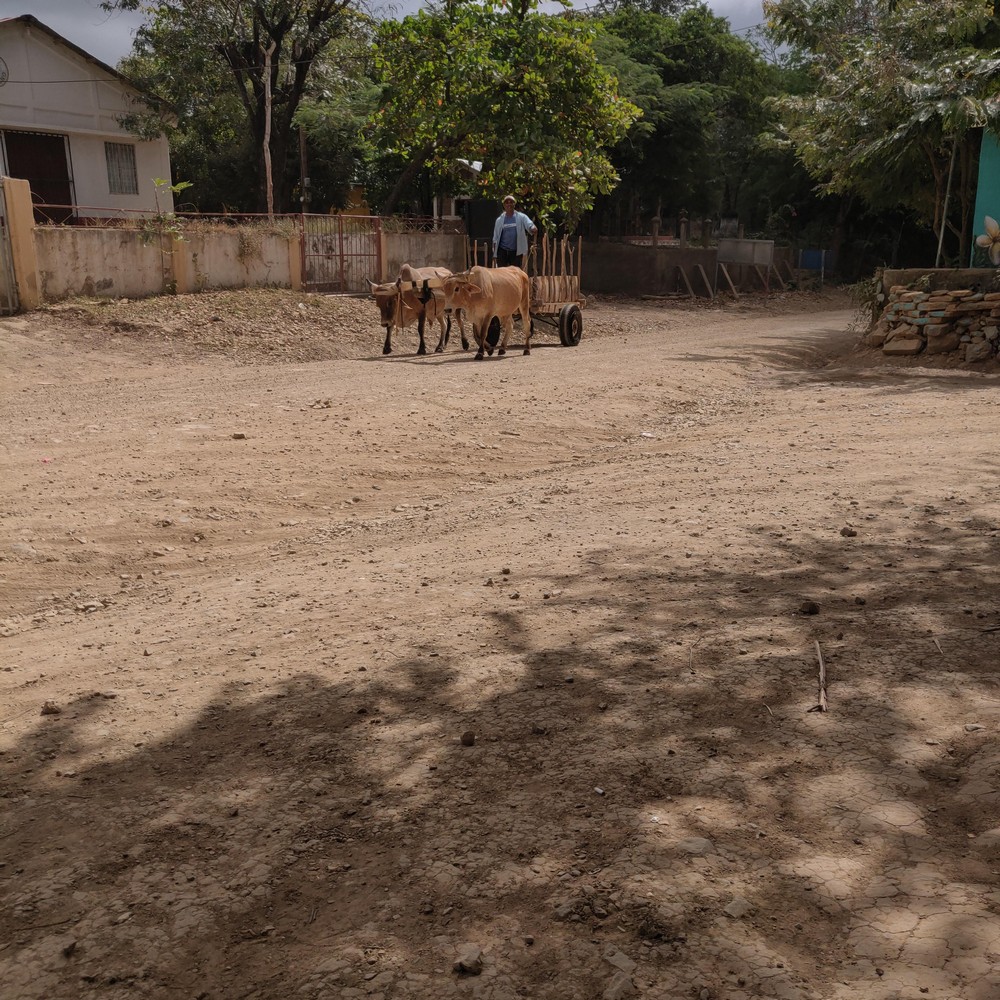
(939, 321)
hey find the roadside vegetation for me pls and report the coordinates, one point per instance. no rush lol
(853, 125)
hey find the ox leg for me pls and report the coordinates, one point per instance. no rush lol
(422, 349)
(493, 336)
(387, 346)
(529, 329)
(508, 329)
(479, 334)
(445, 333)
(461, 327)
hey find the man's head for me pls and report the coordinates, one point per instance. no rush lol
(508, 203)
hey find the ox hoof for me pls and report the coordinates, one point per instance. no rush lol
(387, 350)
(439, 350)
(479, 356)
(502, 352)
(421, 349)
(465, 345)
(527, 350)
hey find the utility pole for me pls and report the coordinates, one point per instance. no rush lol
(305, 191)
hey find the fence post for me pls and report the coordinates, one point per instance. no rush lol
(295, 270)
(21, 226)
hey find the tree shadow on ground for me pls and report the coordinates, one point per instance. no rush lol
(649, 784)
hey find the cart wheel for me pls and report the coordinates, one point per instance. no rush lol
(570, 325)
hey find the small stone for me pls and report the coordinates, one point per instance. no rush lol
(68, 948)
(738, 908)
(696, 846)
(809, 608)
(974, 727)
(619, 960)
(621, 986)
(470, 962)
(468, 738)
(239, 436)
(50, 708)
(848, 532)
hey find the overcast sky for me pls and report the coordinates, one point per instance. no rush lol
(109, 37)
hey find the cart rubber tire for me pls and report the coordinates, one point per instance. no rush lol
(570, 325)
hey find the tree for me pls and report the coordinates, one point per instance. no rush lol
(499, 83)
(265, 50)
(903, 91)
(702, 91)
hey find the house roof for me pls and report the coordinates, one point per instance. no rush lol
(31, 21)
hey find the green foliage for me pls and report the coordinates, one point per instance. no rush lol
(502, 84)
(701, 90)
(163, 224)
(214, 62)
(902, 91)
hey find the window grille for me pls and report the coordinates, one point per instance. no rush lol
(122, 176)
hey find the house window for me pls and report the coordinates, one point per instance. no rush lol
(122, 178)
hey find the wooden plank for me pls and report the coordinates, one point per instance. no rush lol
(579, 259)
(729, 281)
(763, 279)
(708, 284)
(778, 276)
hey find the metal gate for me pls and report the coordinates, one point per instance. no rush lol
(9, 303)
(340, 252)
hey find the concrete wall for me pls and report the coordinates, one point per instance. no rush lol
(120, 263)
(85, 109)
(421, 250)
(620, 269)
(103, 262)
(233, 260)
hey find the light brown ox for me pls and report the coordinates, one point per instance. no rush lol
(408, 299)
(482, 293)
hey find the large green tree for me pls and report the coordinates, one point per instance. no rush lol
(903, 91)
(702, 92)
(499, 83)
(212, 56)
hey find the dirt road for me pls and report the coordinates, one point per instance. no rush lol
(322, 672)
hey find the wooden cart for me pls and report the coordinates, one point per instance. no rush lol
(554, 269)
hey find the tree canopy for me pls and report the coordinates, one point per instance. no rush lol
(520, 92)
(903, 89)
(210, 57)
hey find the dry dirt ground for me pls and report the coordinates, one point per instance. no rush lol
(321, 672)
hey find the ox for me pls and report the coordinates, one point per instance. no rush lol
(484, 293)
(409, 299)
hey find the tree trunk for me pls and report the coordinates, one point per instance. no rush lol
(268, 175)
(406, 178)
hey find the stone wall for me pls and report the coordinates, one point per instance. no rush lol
(929, 314)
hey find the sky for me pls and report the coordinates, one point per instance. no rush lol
(109, 37)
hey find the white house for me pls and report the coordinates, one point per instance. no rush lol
(60, 112)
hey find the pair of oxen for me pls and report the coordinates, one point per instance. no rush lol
(487, 298)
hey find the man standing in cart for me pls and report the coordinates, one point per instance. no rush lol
(510, 235)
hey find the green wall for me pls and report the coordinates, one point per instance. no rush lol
(987, 199)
